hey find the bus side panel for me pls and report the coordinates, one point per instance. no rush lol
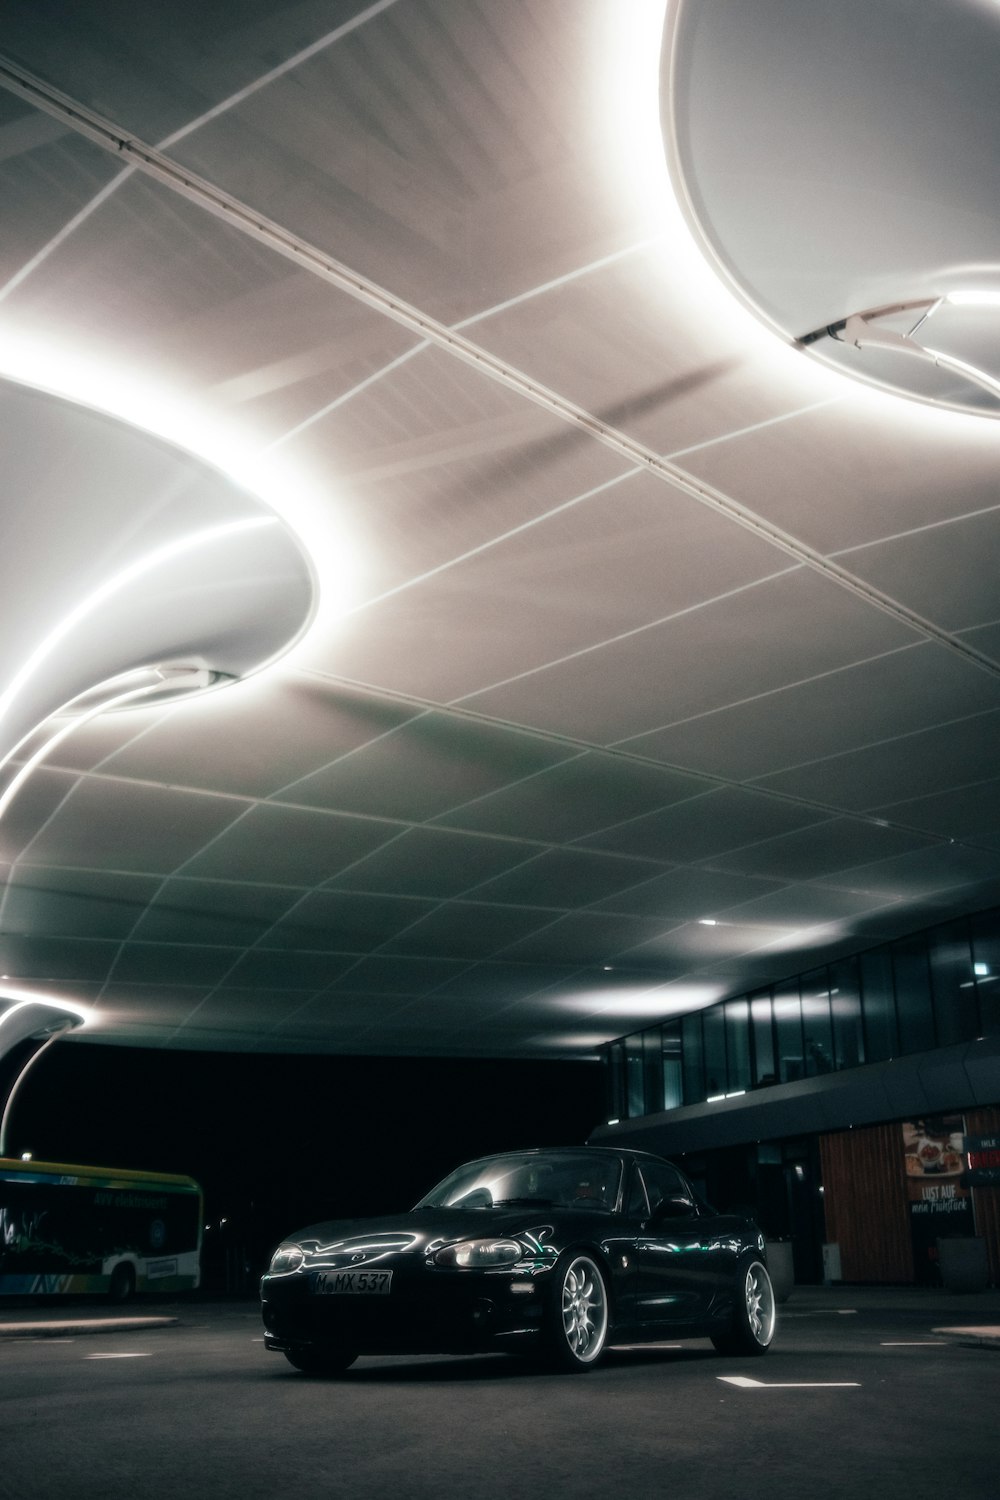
(64, 1234)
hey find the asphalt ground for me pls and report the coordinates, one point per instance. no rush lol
(861, 1393)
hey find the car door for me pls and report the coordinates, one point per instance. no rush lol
(680, 1262)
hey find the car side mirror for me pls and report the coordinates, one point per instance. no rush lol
(674, 1208)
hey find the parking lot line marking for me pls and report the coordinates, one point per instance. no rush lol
(129, 1355)
(912, 1343)
(745, 1383)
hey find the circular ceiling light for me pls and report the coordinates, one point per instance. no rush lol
(127, 555)
(837, 166)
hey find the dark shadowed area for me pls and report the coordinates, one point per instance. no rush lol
(279, 1141)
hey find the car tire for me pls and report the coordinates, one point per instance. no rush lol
(578, 1316)
(752, 1327)
(121, 1286)
(312, 1361)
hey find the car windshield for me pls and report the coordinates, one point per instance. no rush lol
(562, 1179)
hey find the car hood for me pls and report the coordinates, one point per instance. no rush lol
(357, 1241)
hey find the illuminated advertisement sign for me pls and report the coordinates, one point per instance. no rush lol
(983, 1158)
(938, 1196)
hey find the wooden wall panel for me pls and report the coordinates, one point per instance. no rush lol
(864, 1200)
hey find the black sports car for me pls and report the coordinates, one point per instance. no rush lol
(558, 1251)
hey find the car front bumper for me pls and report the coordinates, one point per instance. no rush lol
(427, 1312)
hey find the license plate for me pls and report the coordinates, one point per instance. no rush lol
(352, 1283)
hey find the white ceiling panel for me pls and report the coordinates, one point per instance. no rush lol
(270, 843)
(781, 630)
(947, 573)
(912, 765)
(833, 849)
(881, 700)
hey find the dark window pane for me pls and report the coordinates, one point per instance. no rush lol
(878, 1007)
(763, 1038)
(913, 994)
(673, 1085)
(738, 1044)
(616, 1081)
(953, 984)
(788, 1029)
(986, 957)
(652, 1067)
(694, 1072)
(845, 1005)
(635, 1091)
(715, 1051)
(816, 1025)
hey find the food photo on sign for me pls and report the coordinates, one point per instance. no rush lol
(940, 1203)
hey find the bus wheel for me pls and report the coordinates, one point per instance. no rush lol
(121, 1287)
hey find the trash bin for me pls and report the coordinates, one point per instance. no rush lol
(964, 1267)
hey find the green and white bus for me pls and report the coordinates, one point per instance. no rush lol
(71, 1229)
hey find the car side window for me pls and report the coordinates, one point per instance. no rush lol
(636, 1205)
(662, 1181)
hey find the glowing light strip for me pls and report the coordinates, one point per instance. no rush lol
(27, 997)
(120, 580)
(973, 299)
(65, 708)
(978, 377)
(35, 760)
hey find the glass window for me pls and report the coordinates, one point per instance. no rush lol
(652, 1067)
(986, 960)
(845, 1009)
(616, 1080)
(635, 1203)
(817, 1028)
(738, 1044)
(878, 1006)
(673, 1083)
(694, 1072)
(764, 1070)
(662, 1181)
(912, 974)
(953, 983)
(714, 1030)
(634, 1081)
(788, 1030)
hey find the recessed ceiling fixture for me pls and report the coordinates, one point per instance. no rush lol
(874, 329)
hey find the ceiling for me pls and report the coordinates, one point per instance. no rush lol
(584, 649)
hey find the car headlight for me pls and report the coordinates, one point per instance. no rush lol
(480, 1254)
(286, 1258)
